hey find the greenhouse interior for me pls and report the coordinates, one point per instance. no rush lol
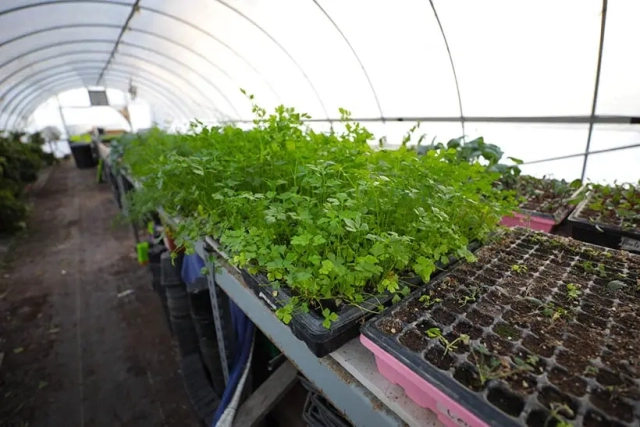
(319, 213)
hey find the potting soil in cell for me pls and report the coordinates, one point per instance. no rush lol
(553, 327)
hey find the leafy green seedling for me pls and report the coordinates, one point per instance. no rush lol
(591, 370)
(555, 313)
(615, 285)
(428, 301)
(329, 317)
(493, 368)
(520, 269)
(448, 346)
(557, 410)
(469, 298)
(573, 291)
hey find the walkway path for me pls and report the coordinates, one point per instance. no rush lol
(74, 353)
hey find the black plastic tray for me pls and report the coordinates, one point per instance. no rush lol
(308, 327)
(477, 402)
(558, 216)
(607, 235)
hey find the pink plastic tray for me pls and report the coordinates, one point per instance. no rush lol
(529, 221)
(449, 412)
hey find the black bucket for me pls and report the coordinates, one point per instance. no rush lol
(83, 155)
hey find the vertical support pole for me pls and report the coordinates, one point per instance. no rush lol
(592, 119)
(217, 320)
(125, 206)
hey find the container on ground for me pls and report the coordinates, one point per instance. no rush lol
(540, 329)
(83, 155)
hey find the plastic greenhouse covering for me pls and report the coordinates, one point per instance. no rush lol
(552, 82)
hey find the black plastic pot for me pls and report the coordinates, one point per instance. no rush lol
(607, 235)
(83, 155)
(202, 317)
(178, 305)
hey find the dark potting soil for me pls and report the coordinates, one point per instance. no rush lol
(552, 332)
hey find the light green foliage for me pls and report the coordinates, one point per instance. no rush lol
(617, 204)
(322, 214)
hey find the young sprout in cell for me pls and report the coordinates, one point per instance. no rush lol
(492, 368)
(557, 410)
(436, 333)
(554, 312)
(573, 291)
(428, 300)
(519, 268)
(469, 298)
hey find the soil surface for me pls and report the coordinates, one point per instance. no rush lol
(539, 322)
(73, 352)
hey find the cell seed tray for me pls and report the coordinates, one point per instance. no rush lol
(529, 217)
(308, 327)
(609, 235)
(552, 327)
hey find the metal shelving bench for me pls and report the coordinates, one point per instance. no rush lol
(348, 377)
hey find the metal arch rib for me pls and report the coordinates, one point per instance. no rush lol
(177, 75)
(163, 85)
(355, 54)
(36, 97)
(126, 68)
(285, 51)
(34, 101)
(55, 2)
(453, 67)
(134, 7)
(154, 51)
(152, 94)
(50, 46)
(153, 34)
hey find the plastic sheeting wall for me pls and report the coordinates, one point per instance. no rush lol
(542, 79)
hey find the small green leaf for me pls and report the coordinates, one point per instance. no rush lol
(615, 285)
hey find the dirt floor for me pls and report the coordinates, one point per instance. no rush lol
(75, 354)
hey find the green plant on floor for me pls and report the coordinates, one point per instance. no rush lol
(20, 161)
(617, 204)
(322, 214)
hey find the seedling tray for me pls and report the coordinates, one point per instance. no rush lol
(608, 235)
(308, 327)
(537, 352)
(539, 221)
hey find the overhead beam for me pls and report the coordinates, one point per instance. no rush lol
(126, 68)
(134, 9)
(196, 92)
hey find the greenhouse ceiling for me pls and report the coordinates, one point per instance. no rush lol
(463, 66)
